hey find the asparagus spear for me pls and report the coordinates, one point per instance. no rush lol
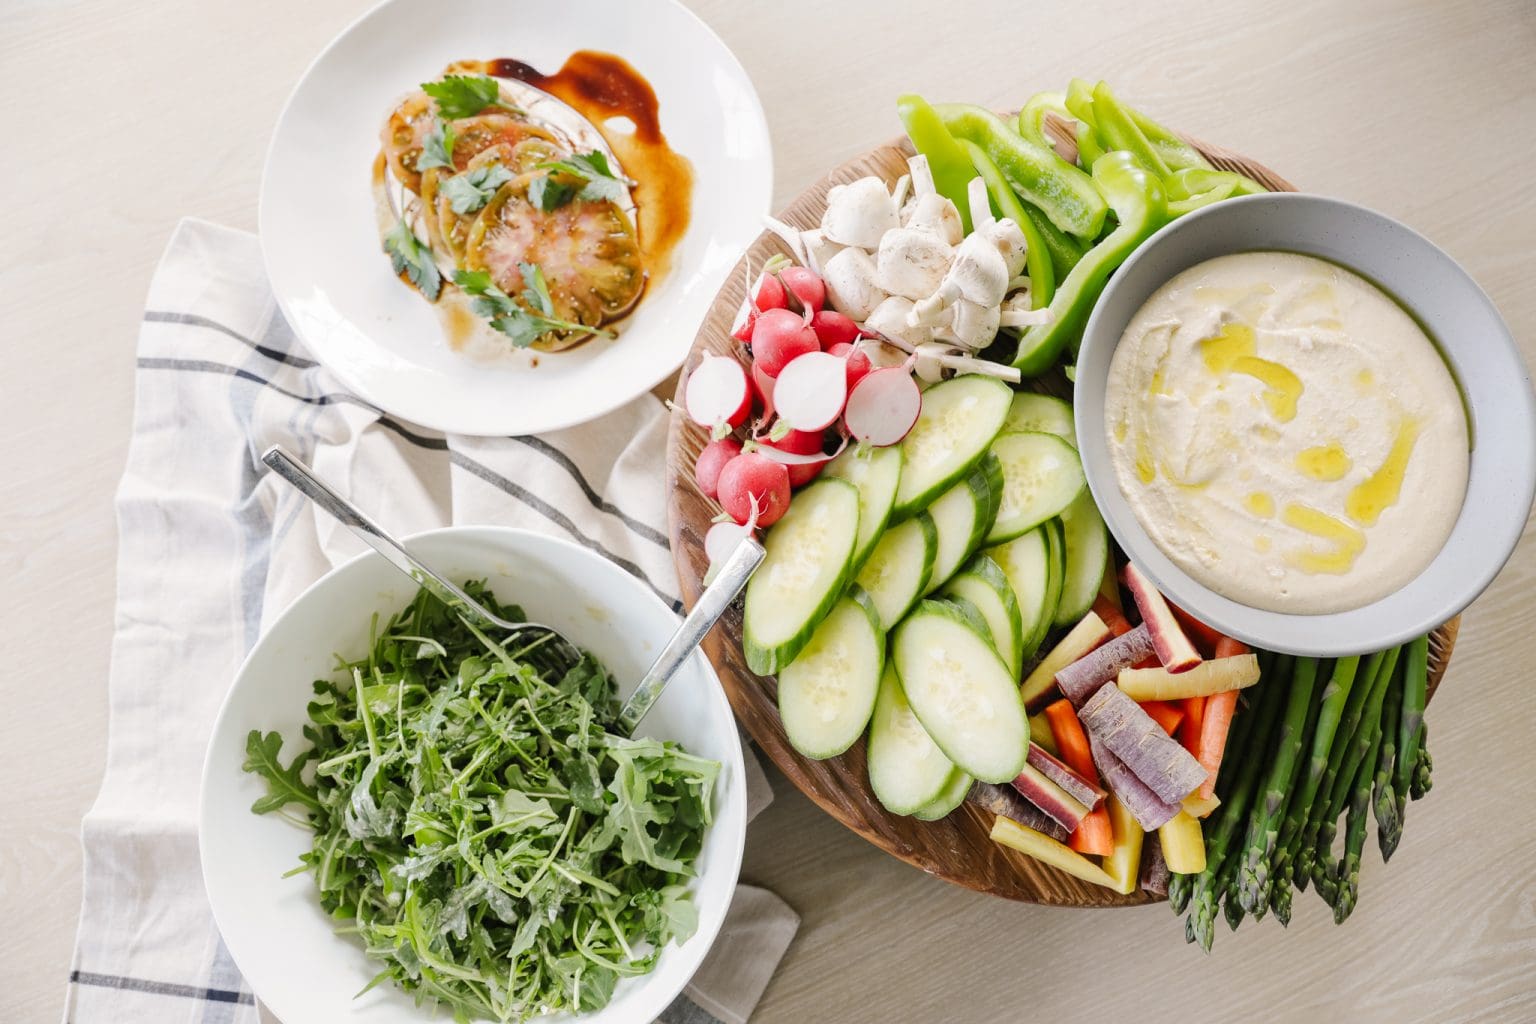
(1346, 883)
(1329, 710)
(1179, 889)
(1253, 879)
(1421, 781)
(1232, 815)
(1353, 756)
(1389, 818)
(1410, 734)
(1232, 910)
(1343, 737)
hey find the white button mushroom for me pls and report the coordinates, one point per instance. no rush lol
(890, 319)
(971, 326)
(850, 279)
(935, 213)
(1010, 242)
(911, 262)
(819, 249)
(859, 213)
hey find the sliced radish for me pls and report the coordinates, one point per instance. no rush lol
(856, 361)
(751, 481)
(720, 542)
(809, 393)
(778, 337)
(746, 319)
(717, 395)
(800, 442)
(806, 286)
(763, 385)
(883, 406)
(833, 328)
(706, 469)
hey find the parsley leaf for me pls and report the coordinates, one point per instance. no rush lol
(523, 323)
(471, 190)
(548, 194)
(464, 95)
(592, 168)
(437, 147)
(410, 257)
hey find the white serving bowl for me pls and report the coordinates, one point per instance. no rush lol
(1494, 380)
(280, 938)
(382, 340)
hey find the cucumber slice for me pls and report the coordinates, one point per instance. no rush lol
(1042, 475)
(953, 795)
(959, 419)
(907, 770)
(827, 693)
(898, 569)
(963, 515)
(1043, 414)
(803, 573)
(1029, 564)
(875, 472)
(961, 691)
(1087, 554)
(983, 584)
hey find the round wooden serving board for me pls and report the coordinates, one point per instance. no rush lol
(956, 848)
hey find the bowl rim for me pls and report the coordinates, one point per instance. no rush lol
(477, 423)
(733, 795)
(1367, 627)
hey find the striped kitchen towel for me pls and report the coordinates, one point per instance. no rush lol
(211, 549)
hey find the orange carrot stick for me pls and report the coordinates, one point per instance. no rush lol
(1094, 834)
(1113, 617)
(1219, 709)
(1164, 714)
(1071, 740)
(1189, 729)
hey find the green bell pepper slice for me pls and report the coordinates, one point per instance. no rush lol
(947, 159)
(1117, 130)
(1032, 115)
(1062, 192)
(1037, 258)
(1140, 207)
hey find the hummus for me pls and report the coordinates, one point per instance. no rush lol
(1286, 433)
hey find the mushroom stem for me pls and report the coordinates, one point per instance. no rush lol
(922, 175)
(981, 206)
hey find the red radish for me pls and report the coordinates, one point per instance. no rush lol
(858, 363)
(717, 395)
(883, 407)
(751, 478)
(706, 469)
(768, 293)
(805, 285)
(833, 328)
(810, 391)
(763, 385)
(800, 442)
(720, 543)
(778, 337)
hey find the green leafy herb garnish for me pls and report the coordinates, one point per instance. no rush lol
(471, 190)
(490, 842)
(548, 194)
(464, 95)
(523, 323)
(592, 168)
(410, 257)
(437, 147)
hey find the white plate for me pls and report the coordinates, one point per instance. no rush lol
(280, 938)
(383, 341)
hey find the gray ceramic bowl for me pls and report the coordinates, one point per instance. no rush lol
(1475, 341)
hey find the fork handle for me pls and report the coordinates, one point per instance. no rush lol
(717, 597)
(353, 518)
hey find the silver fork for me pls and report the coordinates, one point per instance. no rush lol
(551, 649)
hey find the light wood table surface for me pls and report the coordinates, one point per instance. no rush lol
(124, 117)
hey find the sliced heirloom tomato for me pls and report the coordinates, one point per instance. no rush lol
(402, 135)
(587, 250)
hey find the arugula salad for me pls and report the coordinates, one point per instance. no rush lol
(510, 204)
(477, 826)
